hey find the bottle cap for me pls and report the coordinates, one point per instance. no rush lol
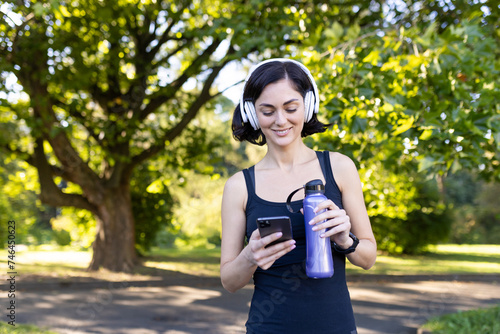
(314, 186)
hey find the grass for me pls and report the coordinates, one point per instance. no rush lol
(66, 263)
(22, 329)
(442, 259)
(475, 321)
(204, 262)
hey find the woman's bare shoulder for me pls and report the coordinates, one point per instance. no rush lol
(344, 170)
(235, 183)
(235, 190)
(342, 162)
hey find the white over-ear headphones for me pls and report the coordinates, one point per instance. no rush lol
(311, 100)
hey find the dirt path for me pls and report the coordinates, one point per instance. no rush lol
(381, 305)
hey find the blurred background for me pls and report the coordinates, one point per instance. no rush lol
(115, 116)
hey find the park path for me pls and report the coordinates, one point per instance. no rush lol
(381, 305)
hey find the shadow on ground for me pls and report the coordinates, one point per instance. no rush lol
(170, 302)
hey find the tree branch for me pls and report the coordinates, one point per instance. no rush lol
(42, 102)
(24, 155)
(49, 192)
(76, 114)
(27, 19)
(165, 37)
(31, 160)
(202, 98)
(166, 94)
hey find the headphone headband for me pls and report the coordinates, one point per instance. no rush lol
(311, 100)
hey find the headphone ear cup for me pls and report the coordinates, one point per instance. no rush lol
(309, 104)
(251, 114)
(243, 113)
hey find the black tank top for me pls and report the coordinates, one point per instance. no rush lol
(285, 300)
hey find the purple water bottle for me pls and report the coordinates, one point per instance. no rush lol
(319, 261)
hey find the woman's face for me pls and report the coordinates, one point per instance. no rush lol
(280, 111)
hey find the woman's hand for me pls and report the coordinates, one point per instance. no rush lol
(334, 221)
(257, 253)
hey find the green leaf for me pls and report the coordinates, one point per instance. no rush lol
(372, 58)
(426, 134)
(334, 33)
(359, 124)
(425, 164)
(156, 187)
(456, 166)
(426, 38)
(403, 125)
(353, 31)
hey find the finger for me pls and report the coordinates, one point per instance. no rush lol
(255, 235)
(285, 247)
(270, 238)
(337, 230)
(342, 228)
(331, 222)
(326, 205)
(327, 215)
(280, 246)
(269, 253)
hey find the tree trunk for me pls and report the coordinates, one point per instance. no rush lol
(114, 244)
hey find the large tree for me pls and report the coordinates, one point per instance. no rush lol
(92, 89)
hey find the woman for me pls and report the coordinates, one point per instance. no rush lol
(278, 107)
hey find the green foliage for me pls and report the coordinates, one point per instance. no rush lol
(175, 198)
(416, 95)
(81, 224)
(412, 99)
(198, 213)
(22, 329)
(105, 87)
(466, 322)
(428, 223)
(17, 198)
(110, 86)
(152, 206)
(476, 211)
(62, 237)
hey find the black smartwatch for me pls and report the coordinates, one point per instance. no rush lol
(350, 249)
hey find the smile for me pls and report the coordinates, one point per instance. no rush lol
(283, 132)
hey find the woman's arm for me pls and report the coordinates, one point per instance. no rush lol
(353, 218)
(354, 204)
(238, 263)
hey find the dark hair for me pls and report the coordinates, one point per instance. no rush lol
(264, 75)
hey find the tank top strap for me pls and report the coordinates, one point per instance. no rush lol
(321, 157)
(326, 166)
(249, 174)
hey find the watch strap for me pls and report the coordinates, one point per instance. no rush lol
(350, 249)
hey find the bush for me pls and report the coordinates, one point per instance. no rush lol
(474, 321)
(429, 224)
(62, 237)
(475, 209)
(152, 212)
(152, 206)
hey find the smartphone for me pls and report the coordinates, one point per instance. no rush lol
(269, 225)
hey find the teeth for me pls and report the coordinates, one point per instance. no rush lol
(281, 131)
